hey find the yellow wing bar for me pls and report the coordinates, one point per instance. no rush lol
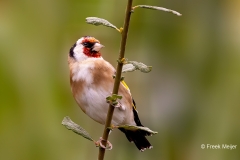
(125, 85)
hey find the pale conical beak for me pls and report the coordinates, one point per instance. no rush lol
(97, 46)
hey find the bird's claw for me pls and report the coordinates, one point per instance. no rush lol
(108, 145)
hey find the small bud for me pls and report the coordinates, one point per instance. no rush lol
(121, 30)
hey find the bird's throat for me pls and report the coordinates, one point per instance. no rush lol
(89, 53)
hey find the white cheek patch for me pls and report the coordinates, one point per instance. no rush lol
(78, 53)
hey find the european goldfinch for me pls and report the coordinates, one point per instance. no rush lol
(91, 79)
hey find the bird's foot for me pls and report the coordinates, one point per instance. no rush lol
(108, 146)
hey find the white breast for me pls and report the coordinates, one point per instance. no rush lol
(82, 72)
(92, 98)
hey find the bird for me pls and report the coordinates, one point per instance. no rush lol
(91, 81)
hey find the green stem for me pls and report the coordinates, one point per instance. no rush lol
(117, 78)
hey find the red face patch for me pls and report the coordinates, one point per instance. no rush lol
(89, 53)
(87, 50)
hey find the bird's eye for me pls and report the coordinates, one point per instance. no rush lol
(87, 44)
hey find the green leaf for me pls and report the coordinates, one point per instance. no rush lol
(134, 128)
(158, 8)
(130, 66)
(69, 124)
(114, 97)
(99, 21)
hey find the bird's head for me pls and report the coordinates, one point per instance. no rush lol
(85, 47)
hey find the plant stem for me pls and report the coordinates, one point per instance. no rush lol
(117, 78)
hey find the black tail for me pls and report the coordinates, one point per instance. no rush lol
(138, 137)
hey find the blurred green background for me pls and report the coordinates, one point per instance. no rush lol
(191, 97)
